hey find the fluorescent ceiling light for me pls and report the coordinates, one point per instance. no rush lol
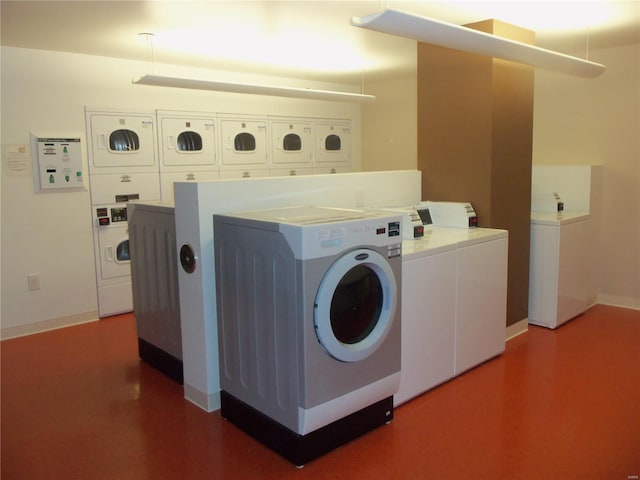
(448, 35)
(162, 81)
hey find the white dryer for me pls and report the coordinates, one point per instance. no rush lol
(188, 149)
(110, 195)
(121, 142)
(187, 141)
(308, 306)
(244, 142)
(113, 260)
(333, 146)
(291, 146)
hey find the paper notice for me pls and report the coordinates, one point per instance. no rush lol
(16, 160)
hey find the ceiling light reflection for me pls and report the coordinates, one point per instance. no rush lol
(289, 49)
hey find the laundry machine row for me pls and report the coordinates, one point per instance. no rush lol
(231, 145)
(308, 304)
(137, 156)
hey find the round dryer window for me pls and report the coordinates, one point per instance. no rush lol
(355, 305)
(124, 141)
(189, 142)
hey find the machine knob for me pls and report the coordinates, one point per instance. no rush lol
(188, 258)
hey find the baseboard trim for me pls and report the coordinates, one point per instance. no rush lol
(517, 328)
(7, 333)
(619, 301)
(209, 402)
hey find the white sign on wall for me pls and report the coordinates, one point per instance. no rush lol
(58, 163)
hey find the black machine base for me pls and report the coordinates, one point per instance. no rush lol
(300, 449)
(161, 360)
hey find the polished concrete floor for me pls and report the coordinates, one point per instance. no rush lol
(558, 404)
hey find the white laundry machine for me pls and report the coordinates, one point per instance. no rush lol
(244, 142)
(113, 260)
(561, 272)
(454, 297)
(121, 142)
(308, 304)
(333, 145)
(123, 167)
(110, 195)
(428, 312)
(188, 149)
(291, 146)
(481, 296)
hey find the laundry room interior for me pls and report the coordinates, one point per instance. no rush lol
(495, 201)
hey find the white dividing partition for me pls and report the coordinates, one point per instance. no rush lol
(574, 183)
(195, 204)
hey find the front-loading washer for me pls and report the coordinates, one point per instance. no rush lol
(308, 306)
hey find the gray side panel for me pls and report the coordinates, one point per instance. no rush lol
(256, 287)
(156, 301)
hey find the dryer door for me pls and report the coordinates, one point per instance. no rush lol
(188, 141)
(122, 142)
(355, 305)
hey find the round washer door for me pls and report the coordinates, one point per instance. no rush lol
(355, 305)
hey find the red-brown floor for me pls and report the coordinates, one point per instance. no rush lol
(564, 404)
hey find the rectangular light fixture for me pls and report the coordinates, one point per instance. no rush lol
(448, 35)
(294, 92)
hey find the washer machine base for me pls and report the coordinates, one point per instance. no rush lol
(161, 360)
(300, 449)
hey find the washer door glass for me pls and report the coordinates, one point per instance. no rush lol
(355, 305)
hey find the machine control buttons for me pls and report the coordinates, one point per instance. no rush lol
(188, 258)
(394, 229)
(119, 214)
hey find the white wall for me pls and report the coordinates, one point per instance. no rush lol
(51, 233)
(597, 122)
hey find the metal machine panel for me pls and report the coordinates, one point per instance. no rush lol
(156, 301)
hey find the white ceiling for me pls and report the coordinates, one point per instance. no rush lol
(304, 39)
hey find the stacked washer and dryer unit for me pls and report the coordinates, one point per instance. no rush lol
(309, 330)
(123, 167)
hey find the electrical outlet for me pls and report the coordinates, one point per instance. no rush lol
(34, 281)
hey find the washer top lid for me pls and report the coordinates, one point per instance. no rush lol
(304, 215)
